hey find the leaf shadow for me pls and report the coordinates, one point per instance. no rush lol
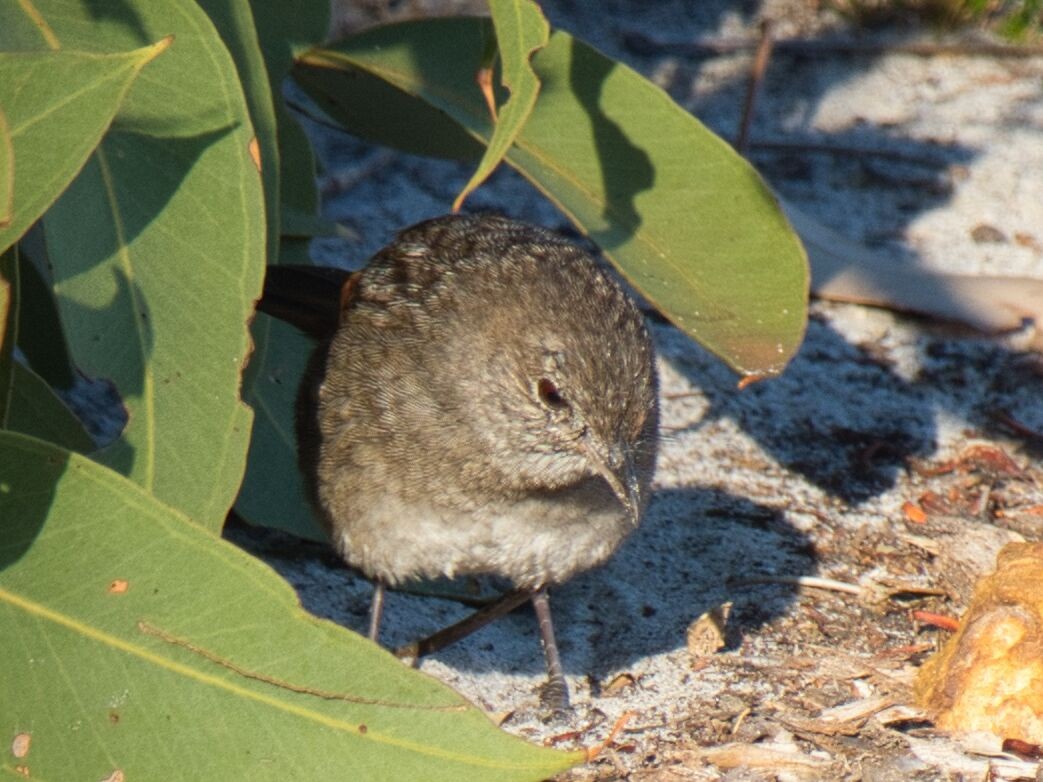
(119, 12)
(25, 503)
(626, 169)
(850, 431)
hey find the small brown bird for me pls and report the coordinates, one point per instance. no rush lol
(487, 405)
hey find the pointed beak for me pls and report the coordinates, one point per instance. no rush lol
(616, 465)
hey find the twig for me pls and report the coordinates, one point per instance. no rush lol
(597, 749)
(643, 44)
(814, 582)
(757, 71)
(683, 395)
(1007, 419)
(940, 621)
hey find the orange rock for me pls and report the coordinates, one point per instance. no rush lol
(989, 676)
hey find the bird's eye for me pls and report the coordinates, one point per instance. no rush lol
(550, 395)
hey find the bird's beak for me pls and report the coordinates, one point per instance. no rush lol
(616, 465)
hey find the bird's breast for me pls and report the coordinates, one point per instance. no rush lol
(537, 539)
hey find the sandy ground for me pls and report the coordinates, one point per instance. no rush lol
(805, 475)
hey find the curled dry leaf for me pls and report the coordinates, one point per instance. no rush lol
(842, 270)
(618, 683)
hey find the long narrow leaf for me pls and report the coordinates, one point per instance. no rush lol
(6, 173)
(57, 106)
(9, 299)
(271, 492)
(158, 248)
(688, 222)
(521, 30)
(112, 670)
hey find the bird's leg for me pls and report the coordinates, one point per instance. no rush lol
(479, 619)
(555, 694)
(376, 611)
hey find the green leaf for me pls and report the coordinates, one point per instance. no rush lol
(271, 492)
(415, 126)
(40, 335)
(109, 664)
(235, 23)
(6, 173)
(57, 106)
(521, 30)
(36, 410)
(158, 251)
(8, 328)
(281, 28)
(687, 221)
(303, 225)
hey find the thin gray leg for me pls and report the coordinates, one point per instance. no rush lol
(376, 611)
(555, 695)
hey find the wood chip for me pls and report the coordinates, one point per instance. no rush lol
(775, 757)
(706, 634)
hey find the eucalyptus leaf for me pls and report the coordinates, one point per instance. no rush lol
(8, 328)
(271, 492)
(57, 106)
(6, 172)
(158, 250)
(35, 409)
(688, 222)
(282, 28)
(40, 334)
(110, 665)
(235, 23)
(521, 30)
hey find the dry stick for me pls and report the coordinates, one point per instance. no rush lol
(815, 582)
(597, 749)
(760, 67)
(643, 44)
(465, 626)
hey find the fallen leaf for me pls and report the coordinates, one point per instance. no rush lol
(619, 682)
(914, 513)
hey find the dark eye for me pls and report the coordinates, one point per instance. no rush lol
(550, 395)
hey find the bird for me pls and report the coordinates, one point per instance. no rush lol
(486, 404)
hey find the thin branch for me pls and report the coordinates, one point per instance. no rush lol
(833, 46)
